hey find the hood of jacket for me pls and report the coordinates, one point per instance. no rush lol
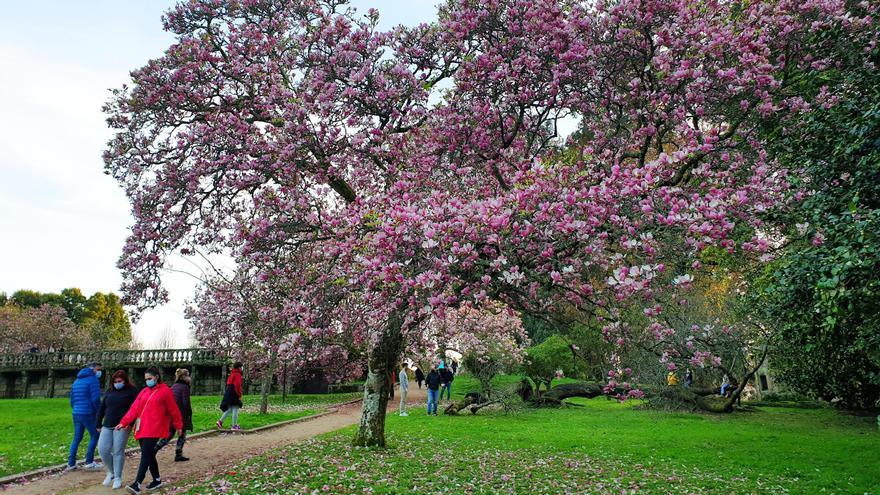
(85, 373)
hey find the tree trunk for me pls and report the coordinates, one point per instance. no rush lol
(382, 361)
(704, 399)
(455, 407)
(266, 385)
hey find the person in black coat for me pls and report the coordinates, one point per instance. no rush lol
(181, 391)
(446, 378)
(111, 442)
(420, 376)
(432, 381)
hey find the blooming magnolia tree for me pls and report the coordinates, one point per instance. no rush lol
(491, 340)
(44, 327)
(254, 316)
(427, 161)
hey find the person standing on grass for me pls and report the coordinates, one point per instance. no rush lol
(111, 442)
(181, 391)
(154, 409)
(454, 367)
(446, 378)
(432, 382)
(420, 376)
(404, 389)
(85, 400)
(231, 402)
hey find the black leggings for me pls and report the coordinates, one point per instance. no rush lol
(148, 460)
(181, 439)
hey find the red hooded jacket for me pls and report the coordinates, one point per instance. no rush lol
(157, 411)
(234, 379)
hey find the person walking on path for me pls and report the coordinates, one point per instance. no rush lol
(154, 409)
(404, 389)
(446, 378)
(85, 400)
(420, 376)
(231, 402)
(181, 391)
(111, 442)
(432, 382)
(688, 378)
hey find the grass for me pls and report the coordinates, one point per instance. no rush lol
(598, 446)
(36, 433)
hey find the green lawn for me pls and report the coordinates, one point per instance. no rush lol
(599, 446)
(37, 432)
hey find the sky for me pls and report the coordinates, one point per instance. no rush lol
(62, 221)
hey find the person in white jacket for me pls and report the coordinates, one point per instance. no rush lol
(404, 388)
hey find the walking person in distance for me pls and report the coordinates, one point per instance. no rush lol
(432, 382)
(181, 391)
(231, 402)
(404, 389)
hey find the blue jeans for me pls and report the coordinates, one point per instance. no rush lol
(432, 401)
(446, 387)
(80, 425)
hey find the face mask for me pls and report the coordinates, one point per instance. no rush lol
(118, 386)
(151, 383)
(98, 373)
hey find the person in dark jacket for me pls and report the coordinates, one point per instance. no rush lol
(432, 381)
(181, 390)
(231, 402)
(420, 376)
(446, 378)
(153, 410)
(85, 399)
(111, 442)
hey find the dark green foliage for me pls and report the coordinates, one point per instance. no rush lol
(824, 291)
(542, 361)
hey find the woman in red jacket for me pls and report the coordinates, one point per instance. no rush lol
(157, 414)
(231, 402)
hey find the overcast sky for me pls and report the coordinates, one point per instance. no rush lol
(62, 221)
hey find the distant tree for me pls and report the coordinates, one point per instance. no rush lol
(74, 302)
(167, 339)
(43, 327)
(544, 360)
(101, 315)
(107, 320)
(3, 299)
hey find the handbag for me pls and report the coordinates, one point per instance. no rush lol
(137, 422)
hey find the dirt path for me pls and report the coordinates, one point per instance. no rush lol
(207, 455)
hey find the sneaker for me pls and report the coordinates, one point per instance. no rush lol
(404, 414)
(108, 479)
(180, 457)
(236, 428)
(93, 466)
(134, 488)
(70, 468)
(154, 485)
(219, 425)
(117, 483)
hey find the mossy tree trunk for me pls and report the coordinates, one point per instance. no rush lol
(382, 361)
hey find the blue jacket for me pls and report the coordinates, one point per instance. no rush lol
(85, 394)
